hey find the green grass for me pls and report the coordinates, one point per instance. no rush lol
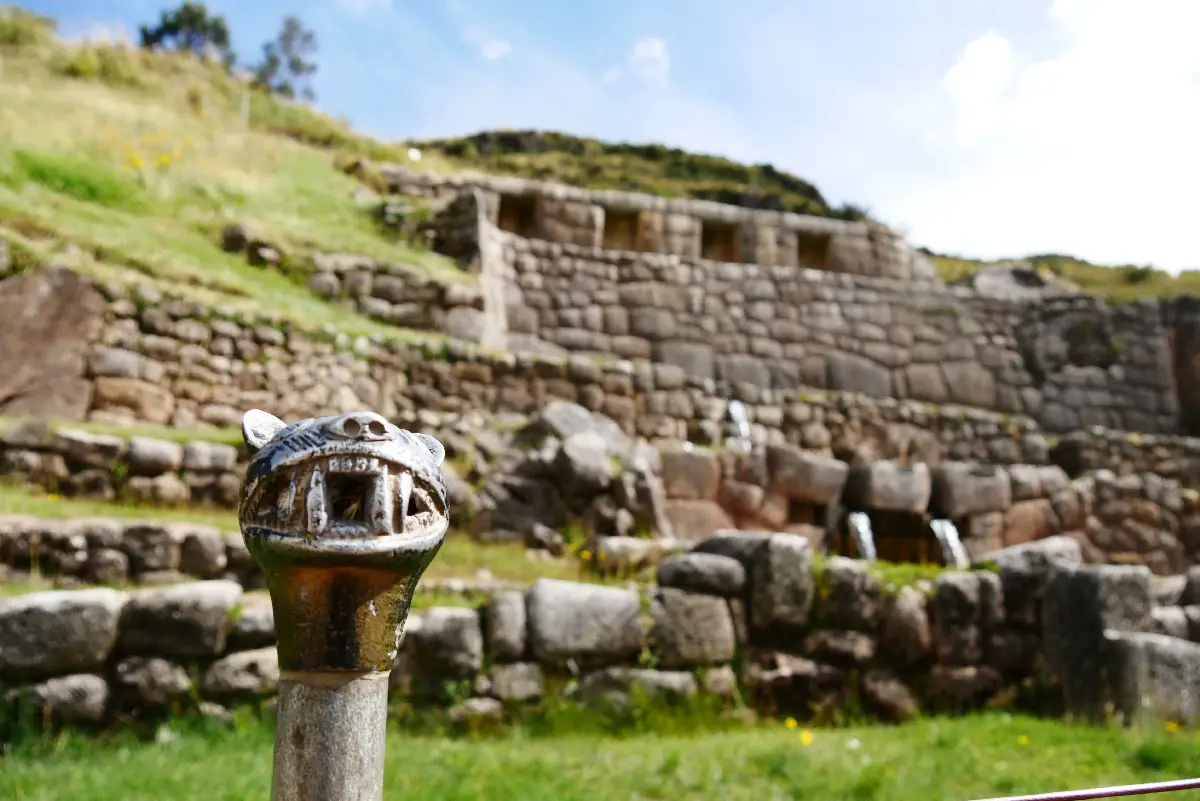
(1117, 283)
(141, 158)
(648, 168)
(933, 759)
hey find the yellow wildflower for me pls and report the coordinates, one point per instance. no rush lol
(53, 496)
(1023, 740)
(600, 556)
(1171, 726)
(137, 162)
(585, 555)
(806, 738)
(791, 723)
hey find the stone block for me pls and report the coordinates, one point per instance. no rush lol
(961, 489)
(805, 476)
(887, 486)
(707, 573)
(584, 622)
(690, 473)
(690, 629)
(184, 621)
(781, 590)
(504, 619)
(1080, 605)
(45, 634)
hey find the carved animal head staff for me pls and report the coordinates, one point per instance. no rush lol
(343, 514)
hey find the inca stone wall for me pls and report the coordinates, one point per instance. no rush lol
(844, 306)
(741, 616)
(1069, 363)
(393, 294)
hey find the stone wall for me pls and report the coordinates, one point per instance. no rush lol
(394, 294)
(1069, 362)
(636, 223)
(731, 301)
(741, 617)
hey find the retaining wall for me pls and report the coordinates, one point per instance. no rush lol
(742, 617)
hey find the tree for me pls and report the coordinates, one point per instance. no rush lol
(190, 27)
(287, 61)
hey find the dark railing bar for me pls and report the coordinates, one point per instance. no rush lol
(1105, 792)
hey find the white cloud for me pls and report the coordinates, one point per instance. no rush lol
(649, 62)
(489, 47)
(1091, 151)
(363, 7)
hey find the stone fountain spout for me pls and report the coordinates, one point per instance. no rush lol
(343, 514)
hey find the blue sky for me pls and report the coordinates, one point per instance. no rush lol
(982, 127)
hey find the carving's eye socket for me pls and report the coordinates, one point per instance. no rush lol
(417, 503)
(351, 427)
(376, 428)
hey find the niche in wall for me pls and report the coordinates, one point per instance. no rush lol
(900, 537)
(812, 250)
(620, 230)
(720, 241)
(518, 215)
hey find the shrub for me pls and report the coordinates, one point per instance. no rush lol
(20, 28)
(114, 64)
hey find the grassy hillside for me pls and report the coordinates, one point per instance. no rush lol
(652, 169)
(1116, 283)
(138, 159)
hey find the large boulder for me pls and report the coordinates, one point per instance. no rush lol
(961, 489)
(1025, 571)
(588, 623)
(242, 675)
(887, 486)
(1154, 677)
(51, 319)
(80, 698)
(53, 633)
(690, 473)
(448, 645)
(851, 596)
(504, 622)
(781, 590)
(184, 621)
(805, 476)
(707, 573)
(1081, 605)
(690, 629)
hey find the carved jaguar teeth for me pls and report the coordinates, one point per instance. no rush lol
(379, 506)
(318, 516)
(354, 465)
(404, 488)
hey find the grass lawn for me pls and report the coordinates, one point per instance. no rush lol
(931, 760)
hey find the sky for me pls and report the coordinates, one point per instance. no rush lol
(982, 128)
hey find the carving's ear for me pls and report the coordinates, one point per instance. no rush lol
(258, 427)
(433, 446)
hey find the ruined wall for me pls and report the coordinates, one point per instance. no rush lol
(631, 222)
(717, 290)
(1068, 362)
(805, 642)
